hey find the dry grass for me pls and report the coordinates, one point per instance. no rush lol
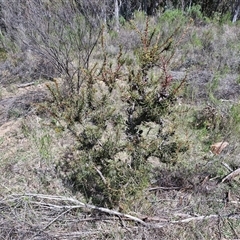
(185, 201)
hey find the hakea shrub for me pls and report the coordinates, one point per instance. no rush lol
(118, 121)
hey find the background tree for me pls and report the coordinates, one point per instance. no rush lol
(55, 36)
(235, 11)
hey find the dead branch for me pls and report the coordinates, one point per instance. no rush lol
(25, 84)
(55, 219)
(100, 174)
(81, 234)
(198, 218)
(231, 175)
(81, 204)
(162, 222)
(163, 188)
(227, 166)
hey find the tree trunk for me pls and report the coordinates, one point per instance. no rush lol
(116, 13)
(236, 12)
(144, 6)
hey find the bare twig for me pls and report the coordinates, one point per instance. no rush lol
(55, 219)
(162, 222)
(227, 166)
(100, 174)
(164, 188)
(51, 222)
(82, 234)
(231, 175)
(81, 204)
(198, 218)
(25, 84)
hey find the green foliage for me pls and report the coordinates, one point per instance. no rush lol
(117, 120)
(195, 12)
(212, 87)
(122, 20)
(207, 40)
(43, 144)
(196, 41)
(171, 16)
(235, 117)
(168, 21)
(3, 54)
(222, 18)
(238, 80)
(217, 122)
(139, 16)
(42, 140)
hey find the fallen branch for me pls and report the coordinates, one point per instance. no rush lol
(55, 219)
(198, 218)
(162, 222)
(25, 84)
(163, 188)
(231, 175)
(81, 204)
(227, 166)
(100, 174)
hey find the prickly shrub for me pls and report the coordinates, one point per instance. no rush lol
(117, 120)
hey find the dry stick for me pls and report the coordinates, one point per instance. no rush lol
(198, 218)
(25, 84)
(69, 208)
(102, 177)
(79, 234)
(163, 188)
(80, 204)
(233, 229)
(232, 175)
(116, 213)
(55, 219)
(51, 222)
(187, 220)
(227, 166)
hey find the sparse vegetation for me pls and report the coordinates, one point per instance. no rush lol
(106, 128)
